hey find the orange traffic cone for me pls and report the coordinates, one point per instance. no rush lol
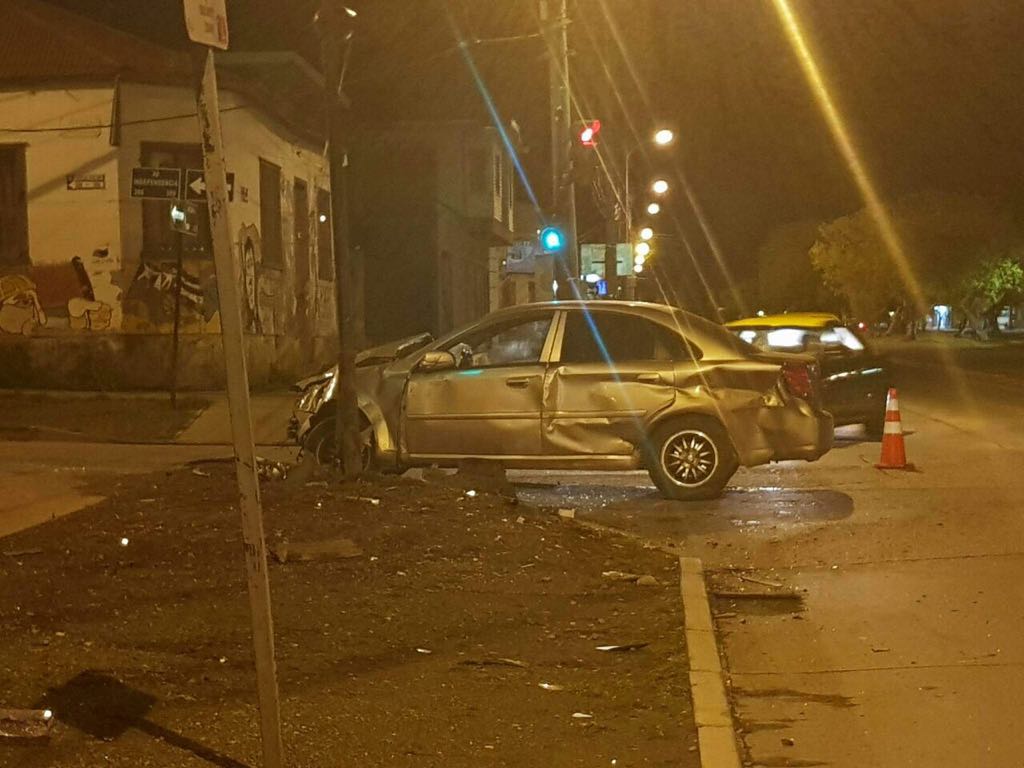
(894, 453)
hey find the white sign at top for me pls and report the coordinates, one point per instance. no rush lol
(207, 22)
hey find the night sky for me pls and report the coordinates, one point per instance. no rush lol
(929, 90)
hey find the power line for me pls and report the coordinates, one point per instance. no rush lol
(122, 124)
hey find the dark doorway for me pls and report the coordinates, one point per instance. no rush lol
(13, 206)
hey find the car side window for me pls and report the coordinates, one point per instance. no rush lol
(601, 337)
(517, 343)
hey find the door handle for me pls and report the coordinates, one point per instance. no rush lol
(519, 382)
(650, 378)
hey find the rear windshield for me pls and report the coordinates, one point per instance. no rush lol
(698, 328)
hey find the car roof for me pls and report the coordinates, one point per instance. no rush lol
(787, 320)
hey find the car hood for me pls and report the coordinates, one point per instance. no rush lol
(372, 357)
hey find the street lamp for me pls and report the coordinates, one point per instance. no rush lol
(642, 250)
(661, 138)
(646, 233)
(654, 209)
(659, 187)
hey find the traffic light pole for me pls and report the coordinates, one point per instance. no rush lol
(563, 186)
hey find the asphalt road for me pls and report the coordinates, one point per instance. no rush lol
(906, 645)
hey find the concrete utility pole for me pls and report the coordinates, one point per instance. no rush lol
(563, 187)
(333, 19)
(228, 289)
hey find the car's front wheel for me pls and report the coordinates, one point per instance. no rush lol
(691, 458)
(320, 443)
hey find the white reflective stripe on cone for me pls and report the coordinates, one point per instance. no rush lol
(893, 428)
(893, 404)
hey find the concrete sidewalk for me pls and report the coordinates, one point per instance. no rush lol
(270, 414)
(200, 418)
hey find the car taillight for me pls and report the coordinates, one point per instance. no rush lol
(799, 379)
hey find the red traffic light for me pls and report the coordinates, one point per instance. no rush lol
(588, 133)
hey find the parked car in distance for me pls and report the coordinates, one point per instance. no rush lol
(854, 378)
(578, 385)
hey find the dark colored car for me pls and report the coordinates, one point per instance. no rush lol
(854, 377)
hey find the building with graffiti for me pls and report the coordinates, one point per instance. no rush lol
(98, 137)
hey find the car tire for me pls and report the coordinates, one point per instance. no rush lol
(875, 426)
(320, 444)
(691, 458)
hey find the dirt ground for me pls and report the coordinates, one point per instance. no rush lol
(100, 418)
(427, 645)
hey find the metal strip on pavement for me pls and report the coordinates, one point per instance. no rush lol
(716, 733)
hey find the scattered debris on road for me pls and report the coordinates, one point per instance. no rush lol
(493, 663)
(23, 552)
(761, 582)
(25, 723)
(622, 648)
(315, 550)
(271, 470)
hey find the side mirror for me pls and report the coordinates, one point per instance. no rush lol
(436, 361)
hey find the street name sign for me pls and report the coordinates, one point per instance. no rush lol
(207, 22)
(156, 183)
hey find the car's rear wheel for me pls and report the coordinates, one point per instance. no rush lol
(691, 458)
(875, 426)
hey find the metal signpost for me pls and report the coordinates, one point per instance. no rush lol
(207, 25)
(184, 221)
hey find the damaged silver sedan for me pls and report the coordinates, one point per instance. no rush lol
(574, 385)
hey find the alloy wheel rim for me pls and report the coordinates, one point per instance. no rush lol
(689, 458)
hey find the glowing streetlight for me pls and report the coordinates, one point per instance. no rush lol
(659, 187)
(638, 268)
(661, 138)
(638, 259)
(642, 249)
(654, 209)
(646, 233)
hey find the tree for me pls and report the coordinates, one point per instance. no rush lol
(942, 240)
(996, 281)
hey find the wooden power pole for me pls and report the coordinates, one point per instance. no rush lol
(334, 25)
(563, 187)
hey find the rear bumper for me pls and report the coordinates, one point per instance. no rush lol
(796, 431)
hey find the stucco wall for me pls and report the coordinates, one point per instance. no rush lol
(74, 247)
(129, 298)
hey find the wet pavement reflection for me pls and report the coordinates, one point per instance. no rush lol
(640, 508)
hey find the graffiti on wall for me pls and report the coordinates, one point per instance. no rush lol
(149, 300)
(251, 258)
(51, 296)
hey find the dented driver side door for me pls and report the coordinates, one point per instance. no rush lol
(611, 372)
(490, 405)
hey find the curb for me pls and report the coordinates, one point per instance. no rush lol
(716, 734)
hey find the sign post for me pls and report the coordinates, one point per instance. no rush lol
(201, 30)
